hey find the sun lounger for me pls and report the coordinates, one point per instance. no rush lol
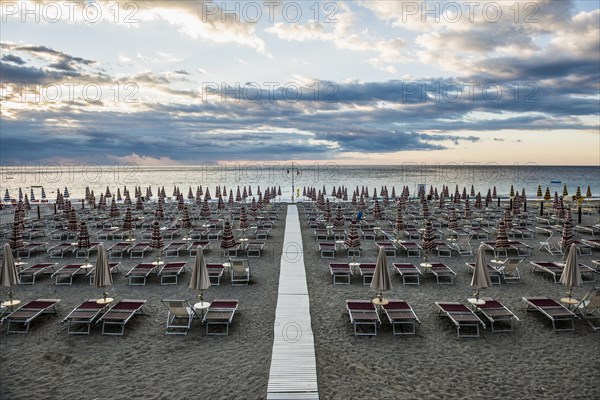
(591, 229)
(522, 249)
(444, 275)
(366, 271)
(262, 234)
(509, 269)
(367, 234)
(213, 234)
(589, 308)
(31, 248)
(240, 272)
(327, 250)
(363, 314)
(64, 275)
(497, 314)
(411, 275)
(412, 249)
(139, 250)
(220, 313)
(138, 274)
(593, 243)
(193, 246)
(492, 271)
(555, 269)
(28, 312)
(113, 266)
(583, 248)
(84, 253)
(479, 233)
(552, 245)
(463, 245)
(254, 248)
(215, 272)
(62, 234)
(443, 249)
(412, 234)
(179, 317)
(341, 272)
(173, 249)
(120, 314)
(461, 316)
(170, 233)
(390, 249)
(400, 314)
(83, 316)
(169, 273)
(553, 310)
(27, 276)
(59, 250)
(117, 249)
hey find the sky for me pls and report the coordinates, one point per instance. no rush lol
(353, 82)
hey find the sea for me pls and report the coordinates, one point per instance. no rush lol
(285, 175)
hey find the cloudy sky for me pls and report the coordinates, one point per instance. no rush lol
(355, 82)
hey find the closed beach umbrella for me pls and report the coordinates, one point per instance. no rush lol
(352, 240)
(571, 275)
(501, 238)
(156, 241)
(481, 277)
(228, 240)
(200, 280)
(102, 276)
(567, 233)
(588, 193)
(381, 276)
(8, 272)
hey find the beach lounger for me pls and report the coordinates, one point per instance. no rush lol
(119, 315)
(583, 248)
(400, 314)
(412, 234)
(173, 249)
(64, 275)
(117, 249)
(549, 268)
(27, 276)
(368, 234)
(479, 233)
(593, 243)
(83, 316)
(59, 250)
(591, 229)
(215, 272)
(461, 316)
(522, 249)
(552, 245)
(139, 250)
(170, 233)
(169, 273)
(240, 272)
(341, 272)
(463, 245)
(509, 269)
(213, 234)
(138, 274)
(366, 271)
(589, 308)
(27, 313)
(411, 275)
(113, 266)
(193, 246)
(390, 249)
(62, 234)
(85, 253)
(262, 234)
(363, 314)
(31, 248)
(444, 275)
(412, 249)
(254, 248)
(497, 314)
(443, 249)
(494, 273)
(553, 310)
(179, 317)
(220, 313)
(327, 250)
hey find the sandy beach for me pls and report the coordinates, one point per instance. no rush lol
(533, 362)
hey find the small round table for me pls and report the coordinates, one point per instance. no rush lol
(11, 303)
(354, 265)
(201, 306)
(569, 301)
(157, 263)
(382, 302)
(86, 266)
(129, 240)
(475, 301)
(105, 301)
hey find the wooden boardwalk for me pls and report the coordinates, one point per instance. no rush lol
(293, 373)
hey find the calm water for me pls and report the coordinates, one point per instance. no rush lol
(76, 178)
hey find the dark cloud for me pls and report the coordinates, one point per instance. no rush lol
(14, 59)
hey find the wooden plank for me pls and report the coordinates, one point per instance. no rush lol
(293, 372)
